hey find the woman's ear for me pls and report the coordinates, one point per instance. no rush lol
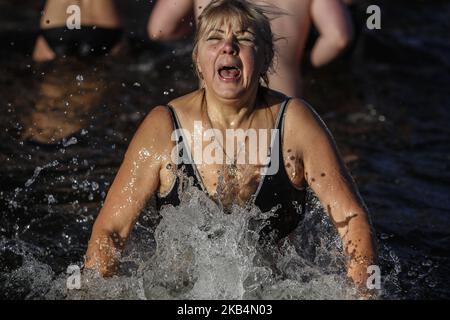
(199, 70)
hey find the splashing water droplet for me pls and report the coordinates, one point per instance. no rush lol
(384, 236)
(51, 199)
(427, 263)
(70, 142)
(94, 186)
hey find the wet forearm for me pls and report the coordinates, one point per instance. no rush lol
(360, 252)
(103, 252)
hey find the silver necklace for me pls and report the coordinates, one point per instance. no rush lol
(231, 168)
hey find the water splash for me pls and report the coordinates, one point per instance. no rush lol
(38, 170)
(199, 252)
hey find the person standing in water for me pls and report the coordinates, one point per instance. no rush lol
(170, 20)
(233, 52)
(100, 31)
(66, 99)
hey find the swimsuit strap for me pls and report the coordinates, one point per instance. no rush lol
(176, 122)
(280, 128)
(186, 162)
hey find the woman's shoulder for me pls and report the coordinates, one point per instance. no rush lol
(160, 121)
(158, 115)
(298, 109)
(153, 134)
(302, 120)
(157, 125)
(161, 113)
(273, 98)
(186, 101)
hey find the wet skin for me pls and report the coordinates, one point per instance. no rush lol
(309, 151)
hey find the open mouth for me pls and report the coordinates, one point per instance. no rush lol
(229, 73)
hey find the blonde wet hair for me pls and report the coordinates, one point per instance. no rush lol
(238, 13)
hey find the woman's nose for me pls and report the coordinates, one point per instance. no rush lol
(230, 47)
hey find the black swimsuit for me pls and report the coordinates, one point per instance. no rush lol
(87, 41)
(273, 190)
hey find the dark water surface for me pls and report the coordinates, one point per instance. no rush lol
(388, 106)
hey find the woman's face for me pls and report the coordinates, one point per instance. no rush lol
(230, 61)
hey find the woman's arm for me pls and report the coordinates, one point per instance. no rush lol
(326, 174)
(135, 182)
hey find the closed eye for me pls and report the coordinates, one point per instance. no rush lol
(213, 38)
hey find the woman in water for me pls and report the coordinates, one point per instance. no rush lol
(233, 52)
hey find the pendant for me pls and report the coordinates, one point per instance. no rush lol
(232, 170)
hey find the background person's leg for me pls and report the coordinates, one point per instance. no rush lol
(171, 20)
(334, 24)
